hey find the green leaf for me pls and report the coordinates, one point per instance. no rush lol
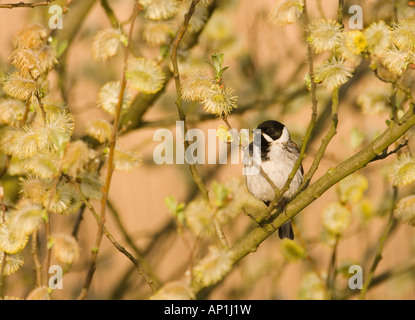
(221, 194)
(217, 59)
(171, 204)
(222, 71)
(217, 63)
(175, 208)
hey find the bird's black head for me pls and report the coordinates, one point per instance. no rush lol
(272, 130)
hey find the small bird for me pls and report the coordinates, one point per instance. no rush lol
(277, 154)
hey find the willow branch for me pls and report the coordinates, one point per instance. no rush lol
(340, 12)
(6, 166)
(356, 162)
(306, 139)
(124, 251)
(161, 237)
(74, 18)
(47, 225)
(182, 115)
(110, 14)
(77, 224)
(111, 238)
(26, 4)
(326, 140)
(379, 250)
(332, 272)
(35, 253)
(140, 256)
(3, 255)
(122, 228)
(112, 142)
(386, 154)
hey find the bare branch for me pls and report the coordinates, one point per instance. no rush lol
(110, 164)
(111, 238)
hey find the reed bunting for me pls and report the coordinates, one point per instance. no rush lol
(277, 154)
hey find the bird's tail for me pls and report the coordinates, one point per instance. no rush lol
(286, 231)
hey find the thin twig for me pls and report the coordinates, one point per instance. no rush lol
(112, 142)
(124, 251)
(78, 221)
(320, 9)
(47, 224)
(122, 228)
(386, 154)
(4, 255)
(314, 103)
(395, 10)
(25, 115)
(221, 235)
(26, 4)
(67, 4)
(382, 241)
(326, 140)
(340, 12)
(110, 14)
(42, 109)
(6, 166)
(35, 253)
(182, 115)
(331, 273)
(140, 256)
(110, 237)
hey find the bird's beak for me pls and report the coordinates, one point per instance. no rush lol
(267, 137)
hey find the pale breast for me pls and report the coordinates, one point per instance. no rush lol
(277, 168)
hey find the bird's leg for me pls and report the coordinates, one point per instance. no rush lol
(252, 217)
(260, 223)
(268, 218)
(282, 204)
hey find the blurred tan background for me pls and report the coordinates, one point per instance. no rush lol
(280, 56)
